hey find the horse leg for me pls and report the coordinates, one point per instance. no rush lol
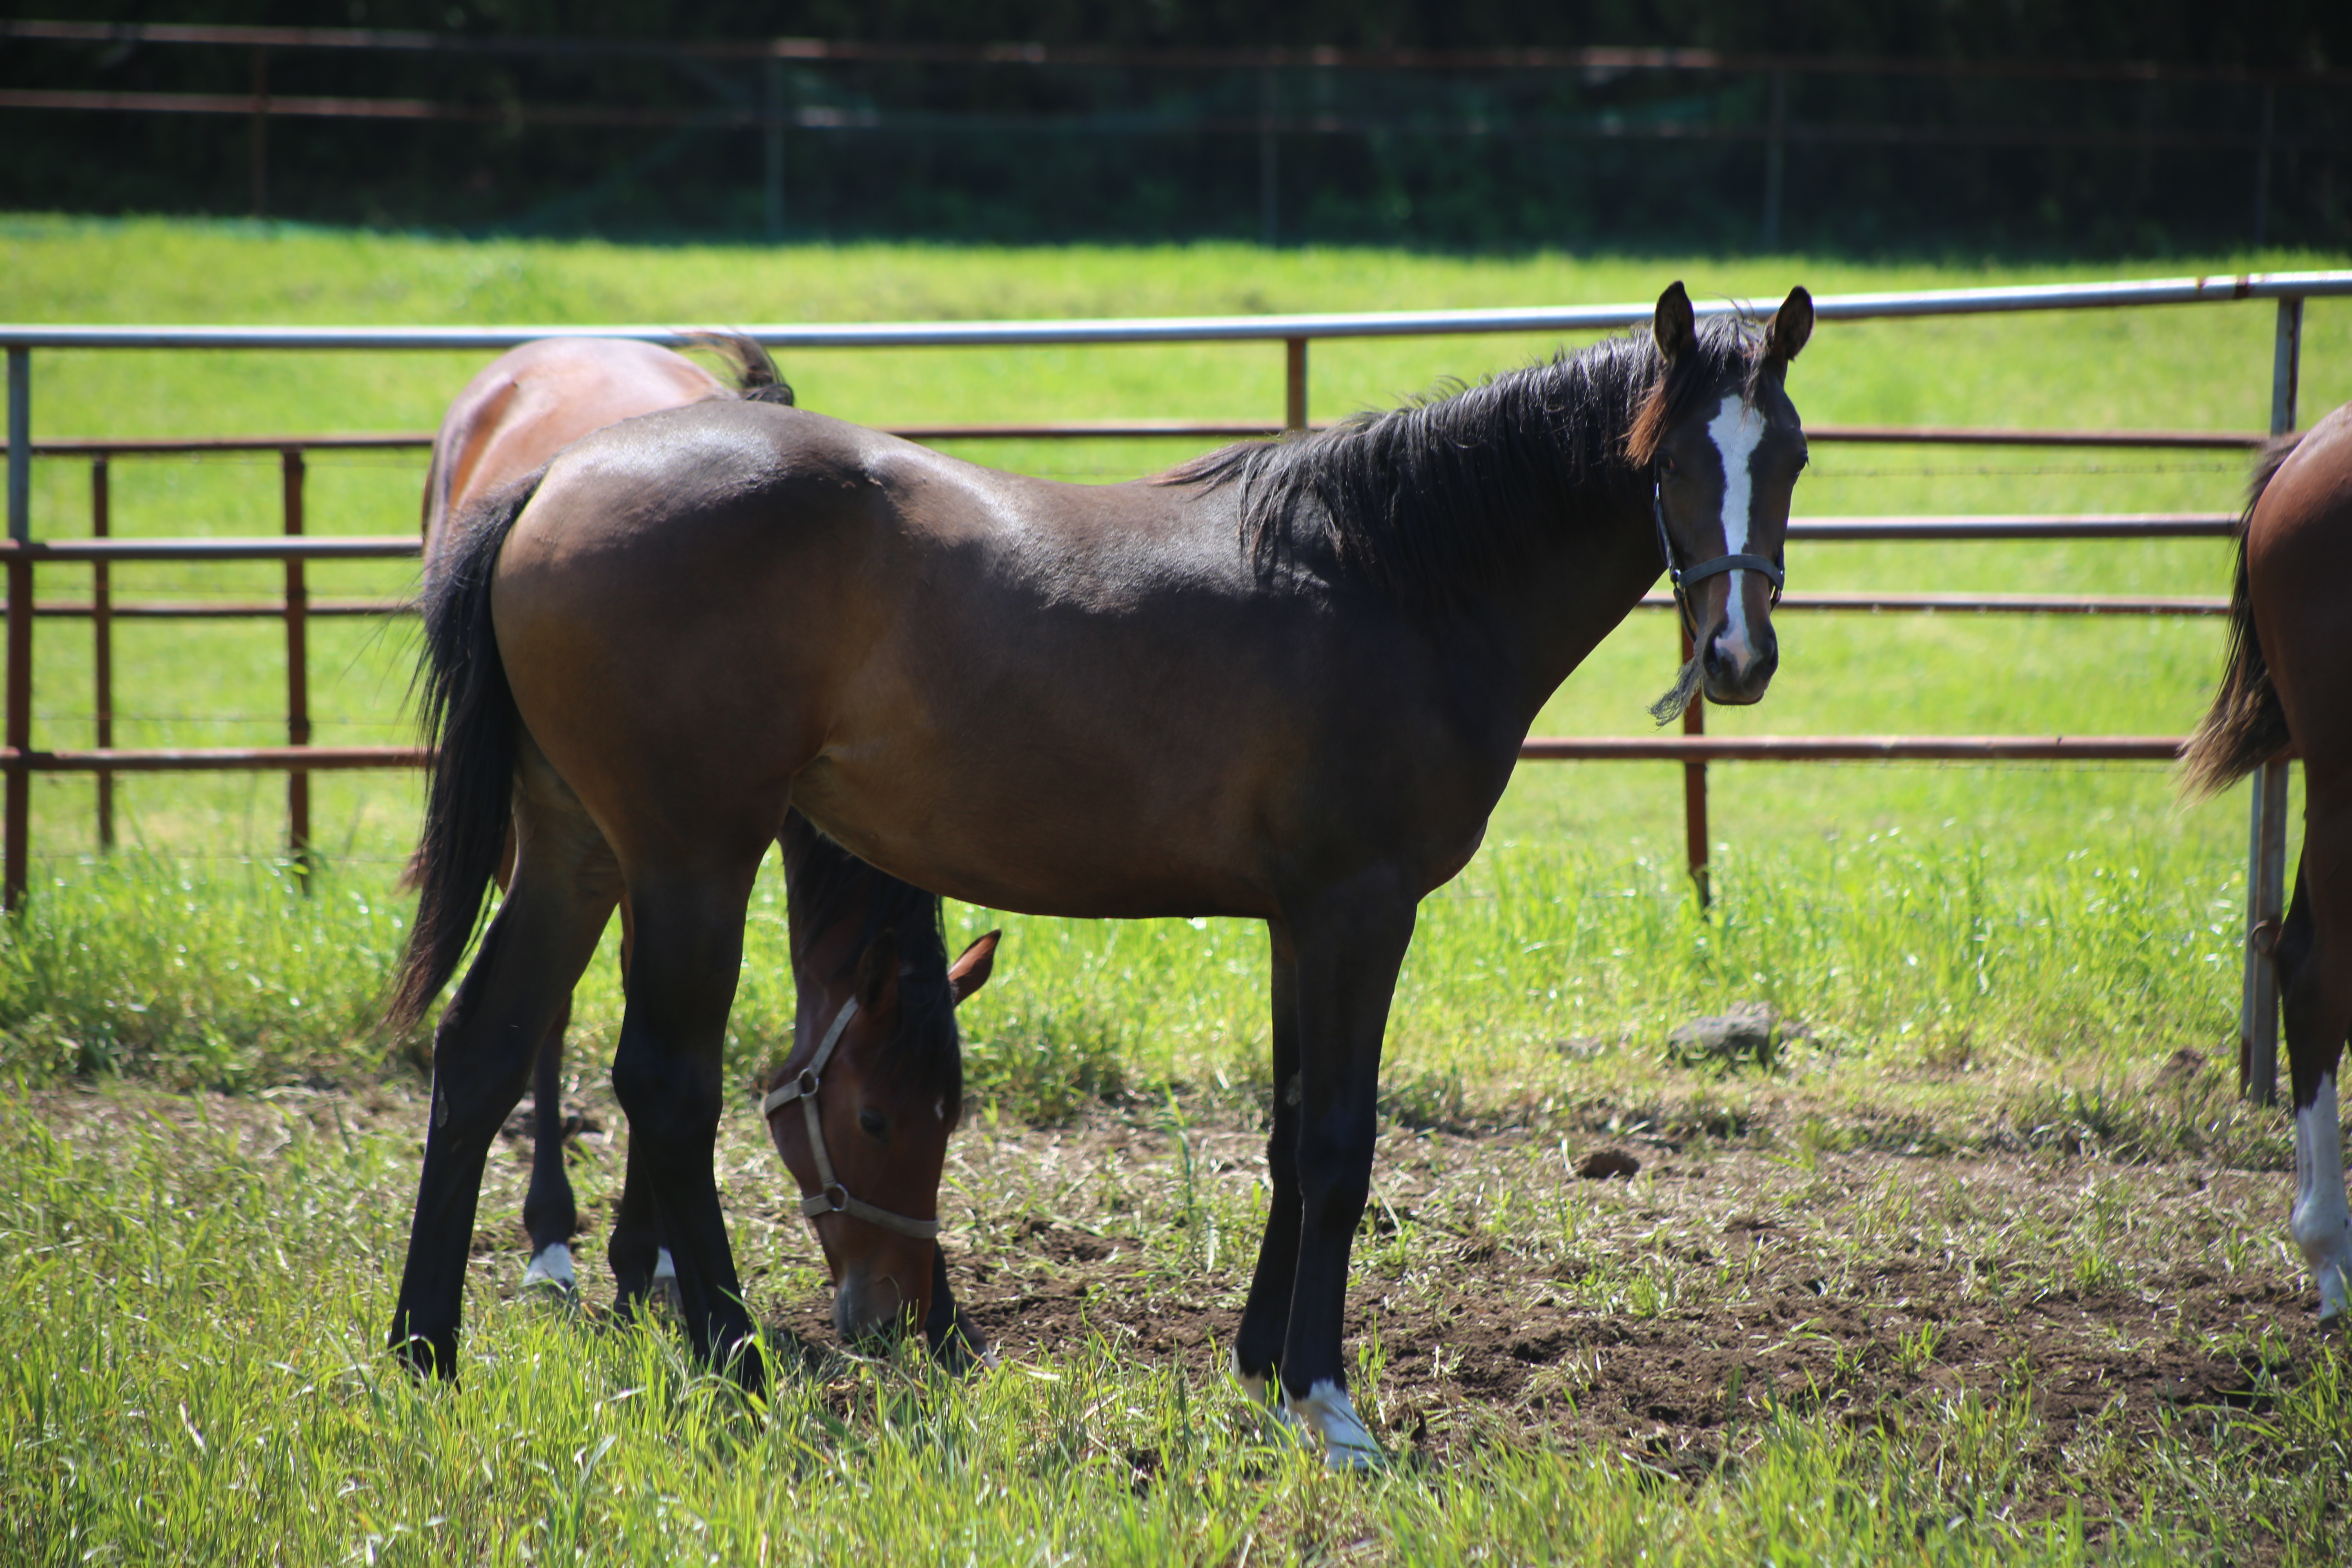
(955, 1341)
(1351, 944)
(686, 949)
(2315, 960)
(542, 937)
(549, 1213)
(1257, 1347)
(640, 1264)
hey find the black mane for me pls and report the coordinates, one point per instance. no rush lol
(1434, 498)
(831, 885)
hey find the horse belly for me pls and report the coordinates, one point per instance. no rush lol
(1073, 841)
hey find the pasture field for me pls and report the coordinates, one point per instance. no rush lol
(1981, 1261)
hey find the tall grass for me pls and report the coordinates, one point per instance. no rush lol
(190, 1372)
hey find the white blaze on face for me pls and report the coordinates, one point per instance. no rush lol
(2321, 1224)
(1737, 430)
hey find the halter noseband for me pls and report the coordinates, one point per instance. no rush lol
(831, 1196)
(1681, 578)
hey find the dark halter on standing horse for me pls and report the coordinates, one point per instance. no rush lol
(1288, 682)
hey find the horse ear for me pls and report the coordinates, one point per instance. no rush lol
(972, 967)
(1676, 327)
(1790, 326)
(877, 972)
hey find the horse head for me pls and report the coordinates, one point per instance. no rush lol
(1724, 447)
(861, 1111)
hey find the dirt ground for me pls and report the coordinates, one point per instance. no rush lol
(1501, 1294)
(1507, 1295)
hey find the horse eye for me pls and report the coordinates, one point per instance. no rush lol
(871, 1121)
(1667, 465)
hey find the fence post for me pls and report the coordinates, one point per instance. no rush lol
(1293, 406)
(298, 675)
(102, 623)
(772, 145)
(1694, 786)
(16, 828)
(2258, 1017)
(1269, 166)
(2262, 167)
(258, 153)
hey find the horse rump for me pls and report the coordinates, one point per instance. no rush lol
(469, 722)
(2246, 726)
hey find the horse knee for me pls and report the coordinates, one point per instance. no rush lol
(665, 1097)
(1335, 1178)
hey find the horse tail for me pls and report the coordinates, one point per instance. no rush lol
(757, 379)
(2246, 726)
(468, 717)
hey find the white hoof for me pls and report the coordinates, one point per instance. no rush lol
(665, 1287)
(2335, 1289)
(550, 1271)
(2321, 1223)
(1348, 1443)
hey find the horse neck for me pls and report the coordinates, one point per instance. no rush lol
(1543, 619)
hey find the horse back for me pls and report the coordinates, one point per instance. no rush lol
(533, 401)
(2299, 568)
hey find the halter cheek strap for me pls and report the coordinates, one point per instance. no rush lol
(1681, 578)
(831, 1196)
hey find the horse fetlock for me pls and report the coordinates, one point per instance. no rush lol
(2320, 1222)
(1326, 1410)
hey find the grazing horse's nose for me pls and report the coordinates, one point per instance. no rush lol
(864, 1305)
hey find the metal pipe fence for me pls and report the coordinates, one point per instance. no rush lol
(1693, 749)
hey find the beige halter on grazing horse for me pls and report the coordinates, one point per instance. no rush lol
(831, 1196)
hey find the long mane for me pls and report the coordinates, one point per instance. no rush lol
(1431, 500)
(831, 885)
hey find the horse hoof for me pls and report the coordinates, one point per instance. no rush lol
(664, 1293)
(551, 1276)
(1348, 1443)
(1263, 1393)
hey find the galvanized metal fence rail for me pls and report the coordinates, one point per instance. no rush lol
(1694, 748)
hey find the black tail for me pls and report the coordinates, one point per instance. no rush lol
(756, 375)
(2246, 727)
(469, 721)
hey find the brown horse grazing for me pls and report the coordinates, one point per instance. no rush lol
(2283, 694)
(1287, 682)
(873, 1217)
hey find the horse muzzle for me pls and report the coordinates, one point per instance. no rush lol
(1738, 664)
(874, 1306)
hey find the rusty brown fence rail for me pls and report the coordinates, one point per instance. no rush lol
(1693, 749)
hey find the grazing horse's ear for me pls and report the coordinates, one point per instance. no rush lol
(971, 968)
(1676, 328)
(877, 972)
(1790, 326)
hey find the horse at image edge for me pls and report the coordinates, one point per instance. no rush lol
(2283, 694)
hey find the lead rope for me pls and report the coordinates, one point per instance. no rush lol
(831, 1196)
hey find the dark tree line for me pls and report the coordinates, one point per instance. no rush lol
(1872, 162)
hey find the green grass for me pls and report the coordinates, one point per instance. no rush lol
(1984, 959)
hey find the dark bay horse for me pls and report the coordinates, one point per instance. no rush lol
(866, 948)
(2284, 692)
(1287, 682)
